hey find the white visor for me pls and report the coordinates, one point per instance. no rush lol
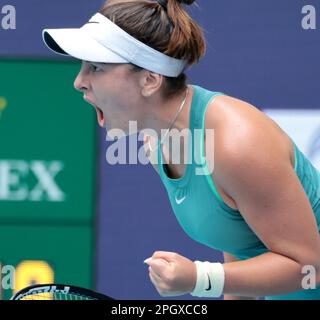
(100, 40)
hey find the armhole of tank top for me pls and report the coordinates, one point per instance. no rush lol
(161, 169)
(295, 157)
(207, 174)
(294, 146)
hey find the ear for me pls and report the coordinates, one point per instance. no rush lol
(150, 83)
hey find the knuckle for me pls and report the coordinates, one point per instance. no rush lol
(156, 253)
(175, 255)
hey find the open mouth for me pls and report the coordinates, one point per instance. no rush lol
(100, 116)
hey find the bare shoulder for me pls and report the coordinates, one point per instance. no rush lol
(253, 165)
(244, 137)
(226, 110)
(240, 126)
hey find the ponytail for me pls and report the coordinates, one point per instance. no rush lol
(187, 40)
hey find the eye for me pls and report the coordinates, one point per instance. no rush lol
(94, 68)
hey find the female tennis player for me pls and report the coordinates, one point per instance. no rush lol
(261, 203)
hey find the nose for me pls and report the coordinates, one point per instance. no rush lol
(81, 82)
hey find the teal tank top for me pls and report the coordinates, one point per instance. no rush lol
(202, 213)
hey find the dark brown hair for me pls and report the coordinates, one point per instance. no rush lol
(163, 25)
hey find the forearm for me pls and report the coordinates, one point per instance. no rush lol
(267, 274)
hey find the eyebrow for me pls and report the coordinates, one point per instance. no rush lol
(97, 63)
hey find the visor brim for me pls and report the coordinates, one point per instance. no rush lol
(80, 45)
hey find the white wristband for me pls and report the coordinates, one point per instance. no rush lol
(210, 280)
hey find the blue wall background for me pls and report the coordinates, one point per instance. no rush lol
(257, 51)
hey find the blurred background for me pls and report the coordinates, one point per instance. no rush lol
(66, 215)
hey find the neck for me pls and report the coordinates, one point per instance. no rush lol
(162, 113)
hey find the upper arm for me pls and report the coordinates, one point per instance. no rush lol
(229, 257)
(270, 197)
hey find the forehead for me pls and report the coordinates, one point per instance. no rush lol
(105, 64)
(116, 69)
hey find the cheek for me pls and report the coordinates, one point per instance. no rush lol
(117, 95)
(104, 95)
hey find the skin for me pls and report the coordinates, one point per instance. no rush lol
(267, 196)
(112, 86)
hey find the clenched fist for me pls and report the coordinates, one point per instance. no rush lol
(171, 273)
